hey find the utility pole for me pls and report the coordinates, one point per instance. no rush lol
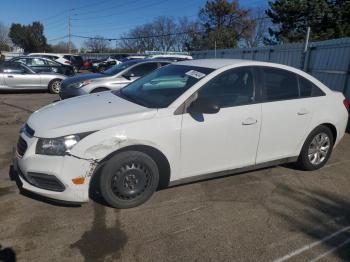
(69, 34)
(215, 48)
(306, 52)
(307, 36)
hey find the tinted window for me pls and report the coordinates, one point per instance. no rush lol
(14, 68)
(51, 63)
(36, 62)
(232, 88)
(143, 69)
(308, 89)
(68, 57)
(120, 67)
(22, 60)
(280, 84)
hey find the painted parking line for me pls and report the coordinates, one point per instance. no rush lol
(330, 251)
(309, 246)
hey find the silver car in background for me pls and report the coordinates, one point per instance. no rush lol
(16, 76)
(114, 78)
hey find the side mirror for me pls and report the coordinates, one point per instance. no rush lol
(128, 76)
(203, 106)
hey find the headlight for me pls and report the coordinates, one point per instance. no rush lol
(81, 84)
(58, 146)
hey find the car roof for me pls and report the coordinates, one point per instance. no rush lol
(147, 60)
(212, 63)
(27, 56)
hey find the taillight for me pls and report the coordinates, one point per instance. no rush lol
(346, 104)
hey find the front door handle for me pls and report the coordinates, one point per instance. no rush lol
(10, 76)
(249, 121)
(303, 111)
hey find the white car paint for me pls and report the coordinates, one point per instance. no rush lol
(232, 138)
(60, 58)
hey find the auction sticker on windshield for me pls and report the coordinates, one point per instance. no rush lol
(195, 74)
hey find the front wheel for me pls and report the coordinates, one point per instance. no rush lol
(55, 86)
(129, 179)
(316, 149)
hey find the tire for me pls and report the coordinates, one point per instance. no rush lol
(99, 89)
(101, 68)
(55, 86)
(317, 149)
(129, 179)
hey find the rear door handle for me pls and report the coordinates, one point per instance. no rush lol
(10, 76)
(303, 111)
(249, 121)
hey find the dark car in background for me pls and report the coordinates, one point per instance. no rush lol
(76, 61)
(102, 65)
(40, 64)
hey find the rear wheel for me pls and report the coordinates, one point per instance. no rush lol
(55, 86)
(101, 68)
(129, 179)
(317, 149)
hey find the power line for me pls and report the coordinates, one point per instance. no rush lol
(134, 38)
(64, 12)
(58, 38)
(109, 8)
(123, 12)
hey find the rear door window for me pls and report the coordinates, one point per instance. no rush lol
(143, 69)
(37, 62)
(279, 84)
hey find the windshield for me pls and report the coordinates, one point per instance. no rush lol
(161, 87)
(120, 67)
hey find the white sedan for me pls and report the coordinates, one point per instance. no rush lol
(183, 122)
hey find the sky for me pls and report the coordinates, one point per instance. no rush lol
(107, 18)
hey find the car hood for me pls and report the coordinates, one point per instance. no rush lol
(80, 78)
(86, 113)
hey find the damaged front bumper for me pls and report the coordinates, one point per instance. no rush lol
(54, 177)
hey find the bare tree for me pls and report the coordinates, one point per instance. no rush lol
(62, 47)
(255, 37)
(162, 34)
(97, 44)
(187, 31)
(5, 41)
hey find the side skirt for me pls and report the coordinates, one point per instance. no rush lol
(232, 171)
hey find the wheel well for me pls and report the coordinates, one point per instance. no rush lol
(54, 80)
(333, 130)
(99, 89)
(160, 159)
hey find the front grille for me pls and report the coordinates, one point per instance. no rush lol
(45, 181)
(21, 146)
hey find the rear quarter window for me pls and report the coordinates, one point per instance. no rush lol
(309, 89)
